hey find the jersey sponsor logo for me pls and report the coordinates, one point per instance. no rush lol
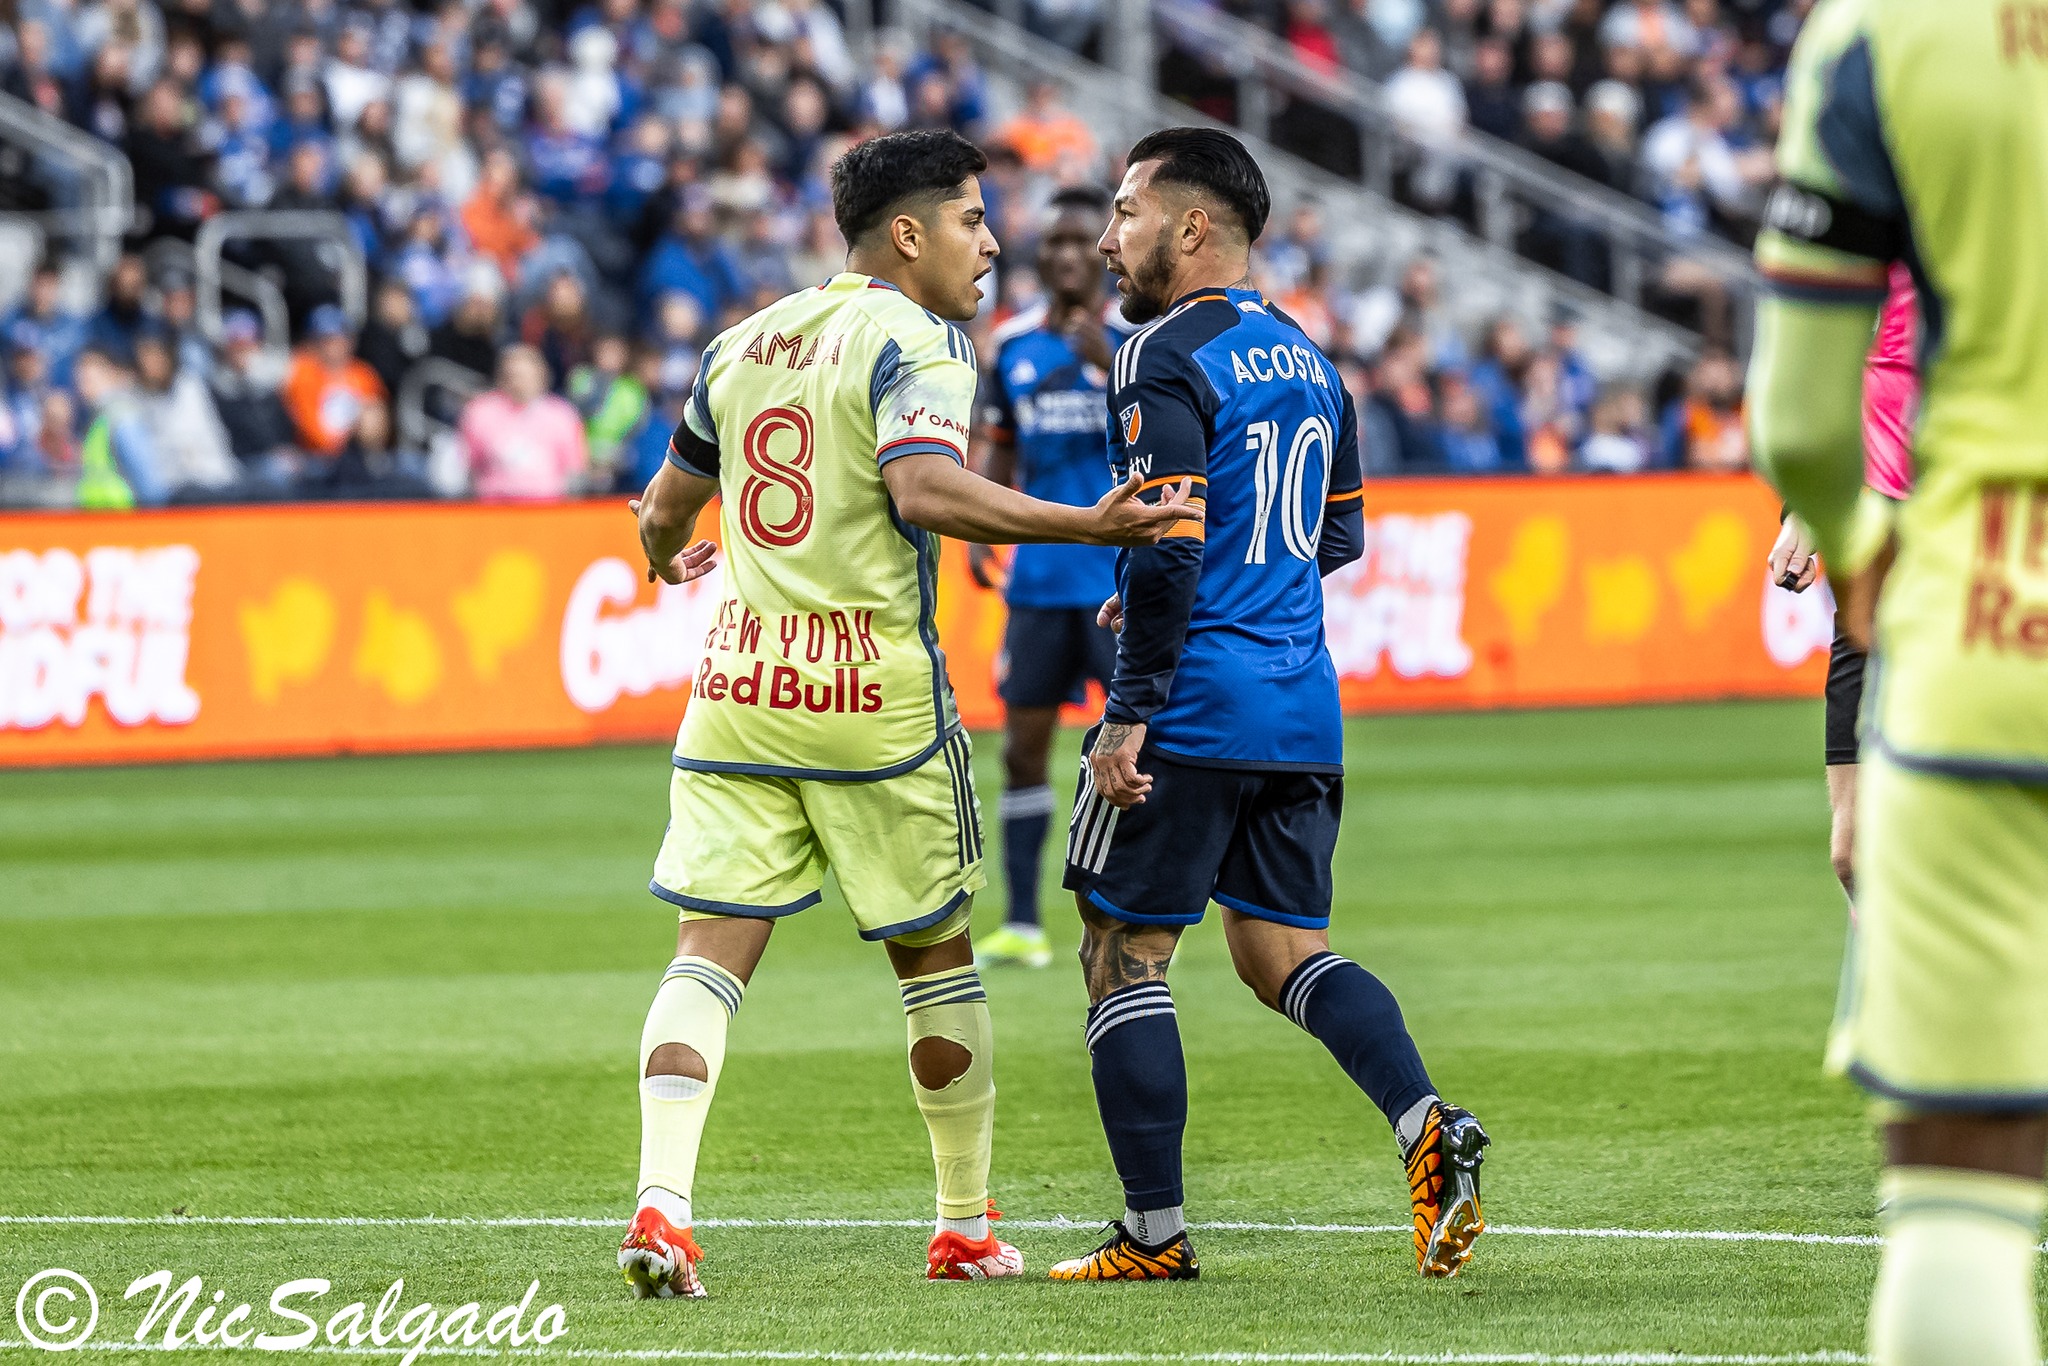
(1132, 421)
(2012, 538)
(1061, 412)
(1261, 364)
(847, 637)
(112, 624)
(931, 417)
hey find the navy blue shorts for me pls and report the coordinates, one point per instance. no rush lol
(1257, 841)
(1050, 653)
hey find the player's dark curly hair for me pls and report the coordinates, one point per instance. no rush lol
(1215, 163)
(882, 177)
(1087, 198)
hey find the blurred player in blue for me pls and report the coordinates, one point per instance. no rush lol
(1217, 771)
(1042, 430)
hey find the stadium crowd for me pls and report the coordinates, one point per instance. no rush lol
(561, 200)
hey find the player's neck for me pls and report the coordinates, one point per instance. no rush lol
(890, 270)
(1210, 276)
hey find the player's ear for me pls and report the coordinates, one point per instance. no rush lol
(906, 234)
(1194, 229)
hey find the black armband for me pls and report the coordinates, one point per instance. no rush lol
(1837, 224)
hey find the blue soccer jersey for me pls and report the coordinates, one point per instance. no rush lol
(1223, 653)
(1046, 400)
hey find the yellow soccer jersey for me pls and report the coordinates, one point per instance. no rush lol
(824, 658)
(1917, 130)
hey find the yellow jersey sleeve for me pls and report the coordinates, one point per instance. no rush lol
(923, 388)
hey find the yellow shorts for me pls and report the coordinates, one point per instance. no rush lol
(906, 850)
(1945, 995)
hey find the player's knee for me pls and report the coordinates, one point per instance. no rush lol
(937, 1063)
(677, 1060)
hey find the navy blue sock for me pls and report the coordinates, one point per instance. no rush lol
(1141, 1088)
(1026, 811)
(1352, 1014)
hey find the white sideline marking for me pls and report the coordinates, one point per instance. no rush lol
(1675, 1235)
(1062, 1358)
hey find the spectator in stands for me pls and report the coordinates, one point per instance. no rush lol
(58, 334)
(559, 327)
(27, 394)
(117, 467)
(522, 442)
(1428, 105)
(612, 400)
(1612, 112)
(395, 336)
(171, 173)
(568, 165)
(178, 419)
(327, 386)
(246, 394)
(114, 328)
(469, 337)
(692, 258)
(884, 99)
(1710, 428)
(1468, 442)
(1047, 135)
(136, 26)
(499, 217)
(1497, 381)
(1619, 442)
(1558, 239)
(99, 104)
(351, 80)
(1696, 170)
(1495, 108)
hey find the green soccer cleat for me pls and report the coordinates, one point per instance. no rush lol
(1022, 946)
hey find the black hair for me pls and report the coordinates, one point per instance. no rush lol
(1089, 198)
(876, 179)
(1214, 163)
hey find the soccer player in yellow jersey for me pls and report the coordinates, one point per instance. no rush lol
(1917, 131)
(821, 731)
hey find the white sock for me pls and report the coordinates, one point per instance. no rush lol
(1408, 1127)
(973, 1229)
(672, 1207)
(1155, 1226)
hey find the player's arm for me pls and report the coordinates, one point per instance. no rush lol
(1343, 538)
(924, 403)
(1834, 225)
(679, 492)
(994, 457)
(1163, 429)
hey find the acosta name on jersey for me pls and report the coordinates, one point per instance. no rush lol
(1261, 365)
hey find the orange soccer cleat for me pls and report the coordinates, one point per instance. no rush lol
(1443, 1189)
(660, 1260)
(1124, 1258)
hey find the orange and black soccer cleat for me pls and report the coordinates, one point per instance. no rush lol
(1443, 1189)
(1124, 1258)
(956, 1257)
(660, 1260)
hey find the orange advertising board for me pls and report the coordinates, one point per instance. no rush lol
(348, 628)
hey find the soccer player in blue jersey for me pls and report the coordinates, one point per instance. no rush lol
(1042, 430)
(1217, 771)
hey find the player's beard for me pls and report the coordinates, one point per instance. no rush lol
(1149, 279)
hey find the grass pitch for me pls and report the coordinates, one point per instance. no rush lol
(390, 988)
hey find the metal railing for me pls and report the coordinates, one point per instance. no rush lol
(250, 286)
(1510, 184)
(106, 185)
(416, 426)
(276, 225)
(1369, 234)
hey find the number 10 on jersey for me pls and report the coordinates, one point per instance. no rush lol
(1313, 439)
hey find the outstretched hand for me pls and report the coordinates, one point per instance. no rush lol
(1122, 520)
(693, 562)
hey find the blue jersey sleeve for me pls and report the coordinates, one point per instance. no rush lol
(1343, 538)
(998, 409)
(693, 448)
(1161, 415)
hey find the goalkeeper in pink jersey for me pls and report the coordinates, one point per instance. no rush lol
(1891, 404)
